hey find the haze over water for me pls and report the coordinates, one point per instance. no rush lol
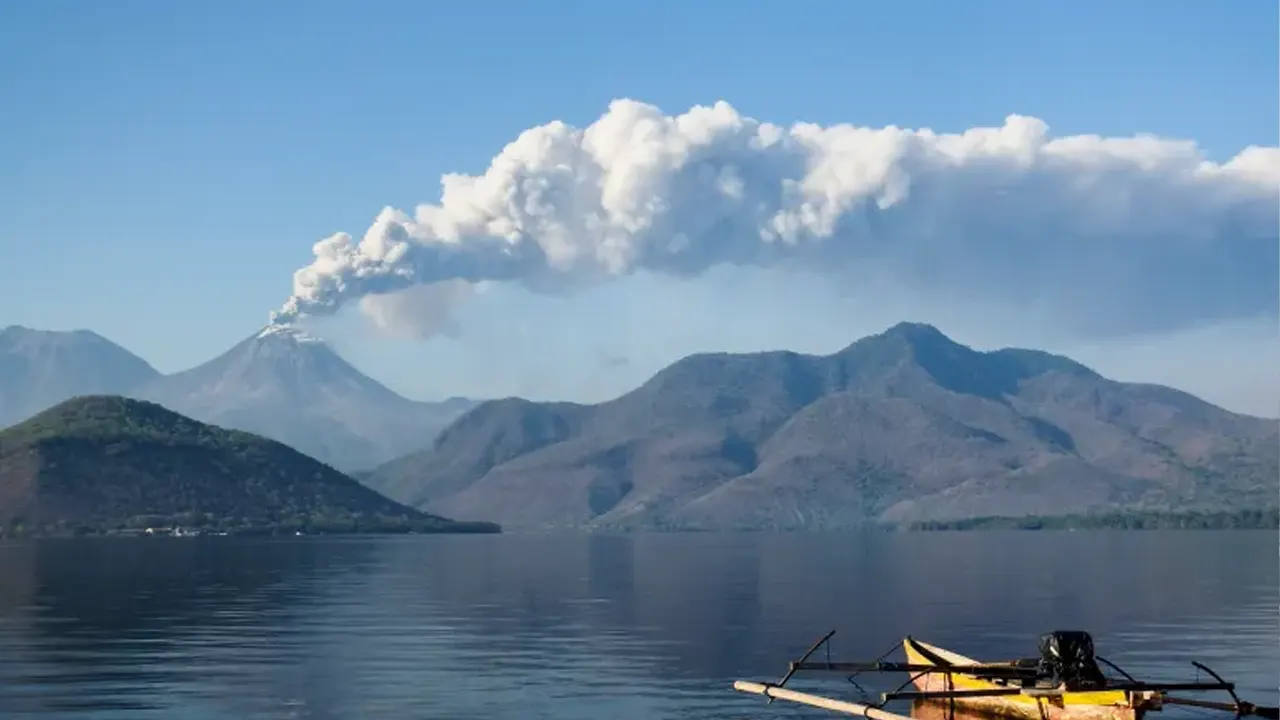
(571, 626)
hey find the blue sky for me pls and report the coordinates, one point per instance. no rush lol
(166, 167)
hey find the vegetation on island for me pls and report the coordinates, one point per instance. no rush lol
(1247, 519)
(109, 464)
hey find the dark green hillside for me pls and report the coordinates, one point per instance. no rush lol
(106, 463)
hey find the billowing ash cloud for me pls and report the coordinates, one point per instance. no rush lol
(1111, 234)
(420, 311)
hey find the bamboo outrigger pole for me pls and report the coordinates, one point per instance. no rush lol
(772, 691)
(841, 706)
(1241, 708)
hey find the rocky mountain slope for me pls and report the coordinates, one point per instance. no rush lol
(39, 369)
(287, 385)
(902, 426)
(102, 463)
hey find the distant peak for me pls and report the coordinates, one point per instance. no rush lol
(915, 338)
(24, 332)
(916, 334)
(915, 330)
(285, 331)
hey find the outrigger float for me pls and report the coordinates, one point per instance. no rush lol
(1064, 683)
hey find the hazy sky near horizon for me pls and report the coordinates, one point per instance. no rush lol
(166, 168)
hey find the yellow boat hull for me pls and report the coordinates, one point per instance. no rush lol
(1084, 705)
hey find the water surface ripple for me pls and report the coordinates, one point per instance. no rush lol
(599, 627)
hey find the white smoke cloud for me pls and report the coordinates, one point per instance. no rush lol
(1111, 235)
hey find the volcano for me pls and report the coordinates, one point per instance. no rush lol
(290, 386)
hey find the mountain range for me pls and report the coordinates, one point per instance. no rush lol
(903, 426)
(280, 383)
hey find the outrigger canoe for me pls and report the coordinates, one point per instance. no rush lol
(1064, 683)
(992, 696)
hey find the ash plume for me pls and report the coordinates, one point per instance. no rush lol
(1114, 233)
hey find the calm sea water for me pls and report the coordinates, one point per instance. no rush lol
(599, 627)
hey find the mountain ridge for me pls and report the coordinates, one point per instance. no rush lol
(905, 425)
(40, 368)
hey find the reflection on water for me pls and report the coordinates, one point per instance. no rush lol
(635, 626)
